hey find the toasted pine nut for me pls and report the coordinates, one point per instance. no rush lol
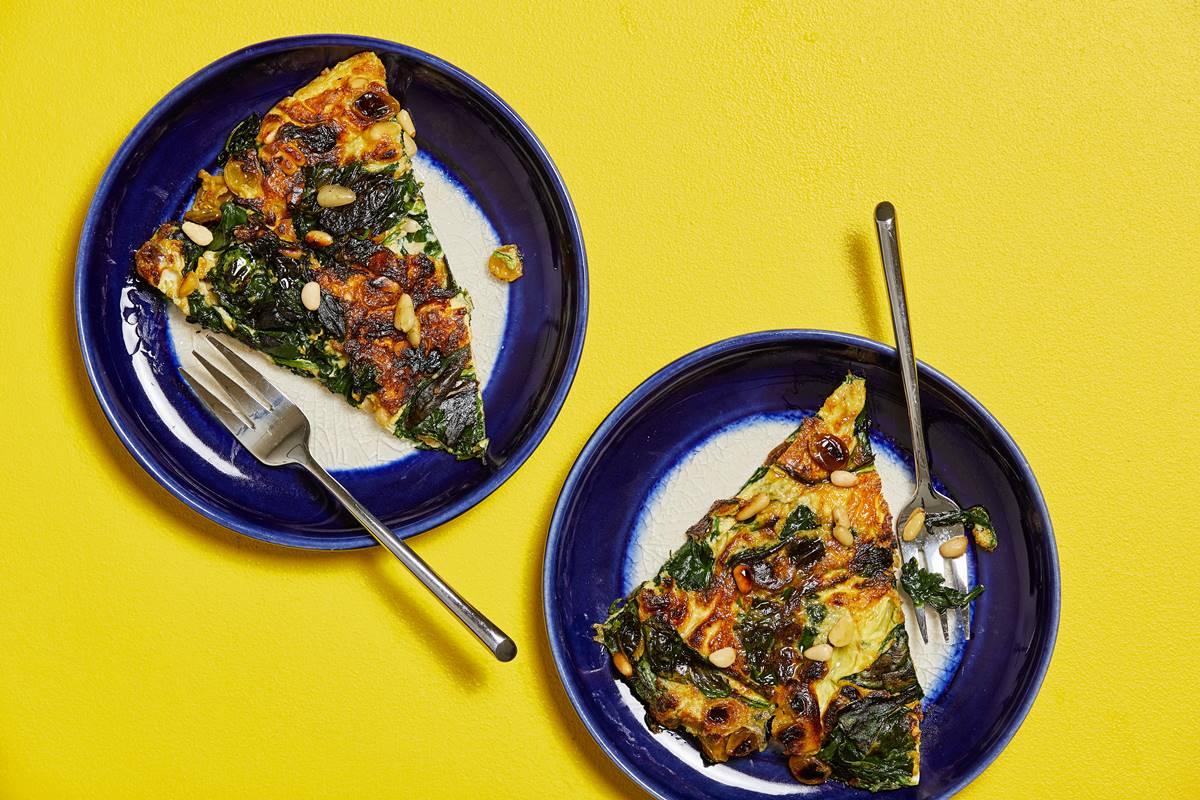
(753, 506)
(840, 477)
(410, 225)
(722, 658)
(741, 576)
(207, 260)
(953, 547)
(406, 122)
(414, 333)
(819, 652)
(197, 233)
(843, 535)
(406, 315)
(331, 196)
(843, 632)
(380, 131)
(318, 238)
(621, 662)
(191, 282)
(840, 517)
(310, 295)
(410, 147)
(914, 525)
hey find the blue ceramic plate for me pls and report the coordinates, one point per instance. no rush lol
(702, 411)
(493, 172)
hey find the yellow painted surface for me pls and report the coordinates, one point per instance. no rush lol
(1045, 164)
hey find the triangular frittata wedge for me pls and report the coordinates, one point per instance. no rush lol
(778, 620)
(313, 245)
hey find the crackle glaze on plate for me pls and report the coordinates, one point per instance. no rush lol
(489, 180)
(694, 431)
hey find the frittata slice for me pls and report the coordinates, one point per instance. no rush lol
(778, 620)
(313, 245)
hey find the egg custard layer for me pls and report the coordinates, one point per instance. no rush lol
(312, 244)
(778, 620)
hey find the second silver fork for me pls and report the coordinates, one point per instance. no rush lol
(926, 497)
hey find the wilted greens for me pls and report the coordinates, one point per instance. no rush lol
(926, 588)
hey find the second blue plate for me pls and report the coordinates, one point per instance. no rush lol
(729, 403)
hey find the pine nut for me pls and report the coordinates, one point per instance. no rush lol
(207, 260)
(414, 333)
(842, 478)
(722, 658)
(197, 233)
(191, 282)
(752, 507)
(843, 632)
(843, 535)
(741, 576)
(621, 662)
(318, 238)
(914, 525)
(840, 517)
(406, 315)
(819, 652)
(406, 122)
(953, 547)
(410, 147)
(310, 295)
(380, 131)
(332, 196)
(410, 225)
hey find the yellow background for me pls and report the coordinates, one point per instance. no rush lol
(1045, 167)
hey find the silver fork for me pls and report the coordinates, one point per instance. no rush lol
(277, 434)
(930, 538)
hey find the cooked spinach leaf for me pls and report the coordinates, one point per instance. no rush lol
(803, 553)
(925, 588)
(708, 680)
(802, 518)
(871, 744)
(243, 137)
(893, 670)
(382, 199)
(445, 408)
(691, 565)
(862, 456)
(232, 215)
(758, 473)
(870, 560)
(815, 613)
(668, 655)
(757, 630)
(623, 630)
(977, 517)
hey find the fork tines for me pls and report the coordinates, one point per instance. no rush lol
(239, 410)
(925, 549)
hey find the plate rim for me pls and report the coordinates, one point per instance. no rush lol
(798, 336)
(160, 472)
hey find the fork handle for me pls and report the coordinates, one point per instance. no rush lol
(496, 640)
(889, 250)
